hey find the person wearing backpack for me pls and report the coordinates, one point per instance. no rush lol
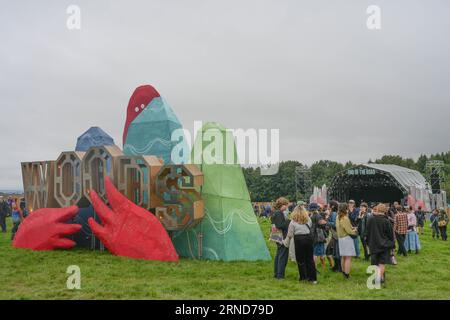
(318, 232)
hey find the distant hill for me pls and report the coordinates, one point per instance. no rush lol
(11, 192)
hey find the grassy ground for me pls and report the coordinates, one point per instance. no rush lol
(26, 274)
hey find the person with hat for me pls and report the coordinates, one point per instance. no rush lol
(4, 210)
(301, 204)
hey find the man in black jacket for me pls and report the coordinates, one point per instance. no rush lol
(380, 238)
(280, 221)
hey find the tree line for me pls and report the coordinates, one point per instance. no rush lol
(268, 188)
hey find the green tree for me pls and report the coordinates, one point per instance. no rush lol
(268, 188)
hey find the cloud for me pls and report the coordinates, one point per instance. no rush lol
(310, 68)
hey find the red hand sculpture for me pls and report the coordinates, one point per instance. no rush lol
(129, 230)
(45, 229)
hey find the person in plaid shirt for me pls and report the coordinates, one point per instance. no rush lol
(401, 229)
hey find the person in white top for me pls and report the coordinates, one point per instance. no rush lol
(300, 229)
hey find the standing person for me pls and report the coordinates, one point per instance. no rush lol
(362, 223)
(420, 215)
(300, 230)
(380, 239)
(326, 212)
(390, 214)
(10, 202)
(332, 250)
(23, 208)
(345, 231)
(4, 210)
(401, 229)
(281, 223)
(442, 222)
(434, 224)
(17, 218)
(318, 228)
(412, 242)
(353, 214)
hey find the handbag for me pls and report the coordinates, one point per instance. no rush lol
(276, 235)
(442, 223)
(320, 236)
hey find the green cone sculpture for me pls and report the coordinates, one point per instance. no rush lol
(229, 230)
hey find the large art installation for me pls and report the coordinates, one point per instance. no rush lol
(149, 126)
(229, 230)
(139, 202)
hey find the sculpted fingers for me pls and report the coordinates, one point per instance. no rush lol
(105, 213)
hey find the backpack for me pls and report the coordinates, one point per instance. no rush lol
(319, 233)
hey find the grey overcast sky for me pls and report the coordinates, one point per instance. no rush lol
(335, 89)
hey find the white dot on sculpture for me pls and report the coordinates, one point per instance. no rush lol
(142, 106)
(136, 109)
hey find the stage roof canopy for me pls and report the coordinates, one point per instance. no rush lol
(405, 176)
(375, 182)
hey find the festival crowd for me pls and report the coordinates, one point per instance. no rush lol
(312, 235)
(15, 208)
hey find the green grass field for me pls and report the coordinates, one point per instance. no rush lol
(25, 274)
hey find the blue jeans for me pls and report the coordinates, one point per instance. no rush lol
(356, 240)
(281, 259)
